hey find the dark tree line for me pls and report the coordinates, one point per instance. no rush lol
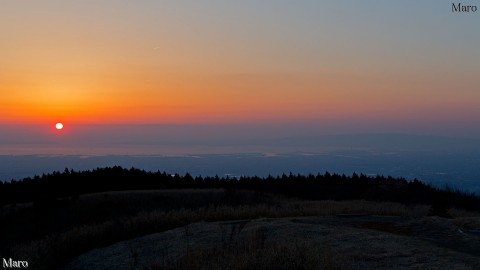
(49, 188)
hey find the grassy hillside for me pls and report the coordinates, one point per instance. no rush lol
(51, 219)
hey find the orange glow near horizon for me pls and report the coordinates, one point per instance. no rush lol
(220, 99)
(63, 61)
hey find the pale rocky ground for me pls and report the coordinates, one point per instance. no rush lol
(363, 242)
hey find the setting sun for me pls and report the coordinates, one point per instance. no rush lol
(59, 126)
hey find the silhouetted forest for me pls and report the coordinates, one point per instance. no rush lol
(50, 188)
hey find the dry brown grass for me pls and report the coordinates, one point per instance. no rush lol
(55, 250)
(328, 242)
(252, 253)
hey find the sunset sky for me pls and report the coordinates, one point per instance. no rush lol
(388, 66)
